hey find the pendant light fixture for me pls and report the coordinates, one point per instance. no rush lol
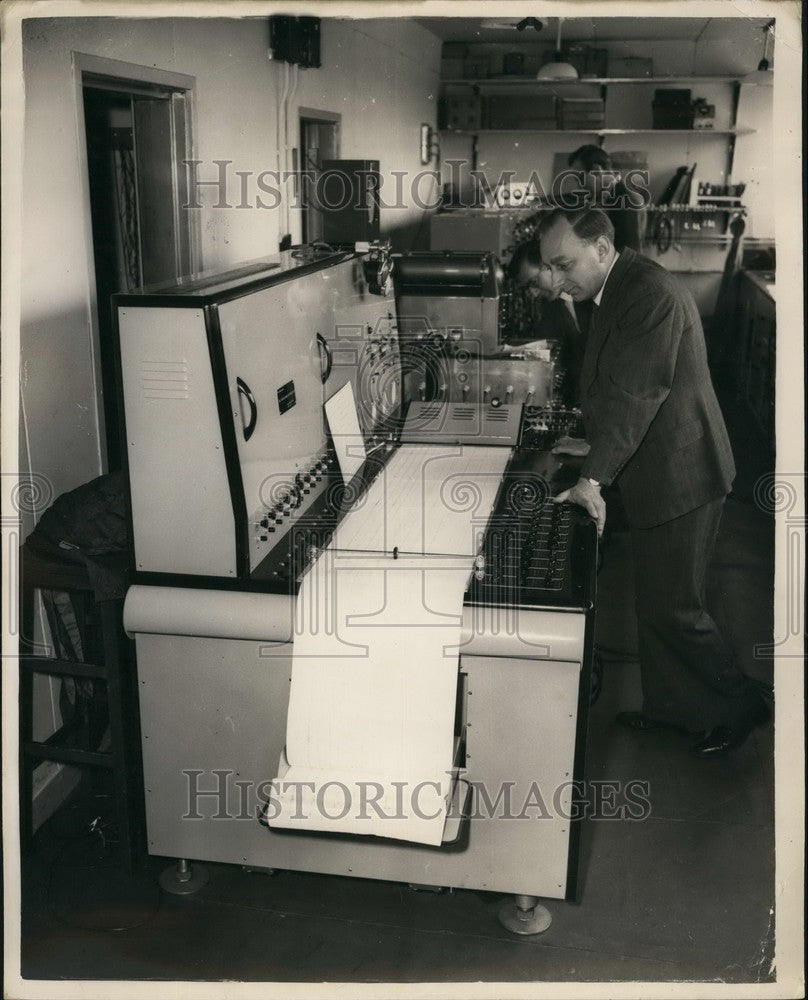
(557, 68)
(763, 76)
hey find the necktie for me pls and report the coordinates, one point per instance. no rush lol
(583, 315)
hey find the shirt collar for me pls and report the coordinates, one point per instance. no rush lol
(569, 304)
(598, 297)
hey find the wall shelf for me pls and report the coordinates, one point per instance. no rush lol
(530, 82)
(691, 241)
(602, 131)
(468, 104)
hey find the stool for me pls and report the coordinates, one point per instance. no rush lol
(108, 657)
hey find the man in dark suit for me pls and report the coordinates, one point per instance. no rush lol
(655, 430)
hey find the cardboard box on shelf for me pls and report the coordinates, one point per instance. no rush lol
(633, 67)
(580, 113)
(460, 112)
(536, 111)
(672, 109)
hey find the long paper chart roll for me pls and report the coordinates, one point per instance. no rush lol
(370, 729)
(428, 499)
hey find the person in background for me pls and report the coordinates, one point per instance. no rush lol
(628, 221)
(555, 314)
(655, 430)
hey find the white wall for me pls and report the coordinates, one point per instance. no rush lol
(380, 75)
(382, 79)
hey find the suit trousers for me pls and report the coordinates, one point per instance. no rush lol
(688, 671)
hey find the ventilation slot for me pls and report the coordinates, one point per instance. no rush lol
(464, 413)
(164, 379)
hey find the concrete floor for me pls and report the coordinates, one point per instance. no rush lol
(684, 895)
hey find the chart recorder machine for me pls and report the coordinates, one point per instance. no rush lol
(363, 633)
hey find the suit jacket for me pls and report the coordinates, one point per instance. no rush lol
(556, 323)
(648, 405)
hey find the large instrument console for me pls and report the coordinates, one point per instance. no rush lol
(236, 493)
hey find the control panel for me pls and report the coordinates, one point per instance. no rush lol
(287, 500)
(500, 380)
(542, 426)
(440, 371)
(536, 552)
(309, 512)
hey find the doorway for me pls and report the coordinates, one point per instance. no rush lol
(137, 137)
(319, 141)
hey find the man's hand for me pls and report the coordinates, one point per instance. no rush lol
(587, 496)
(571, 446)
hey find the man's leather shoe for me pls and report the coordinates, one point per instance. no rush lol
(722, 739)
(640, 723)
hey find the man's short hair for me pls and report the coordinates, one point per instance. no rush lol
(587, 223)
(590, 157)
(527, 254)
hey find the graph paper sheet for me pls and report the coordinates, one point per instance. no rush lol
(428, 499)
(375, 663)
(372, 701)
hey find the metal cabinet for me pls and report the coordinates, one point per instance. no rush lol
(755, 352)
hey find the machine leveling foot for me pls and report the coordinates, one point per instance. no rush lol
(184, 879)
(525, 915)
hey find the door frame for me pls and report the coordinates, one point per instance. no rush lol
(130, 77)
(327, 118)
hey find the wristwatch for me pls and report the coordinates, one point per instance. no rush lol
(594, 482)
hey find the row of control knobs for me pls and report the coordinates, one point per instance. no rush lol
(303, 484)
(529, 552)
(495, 398)
(547, 534)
